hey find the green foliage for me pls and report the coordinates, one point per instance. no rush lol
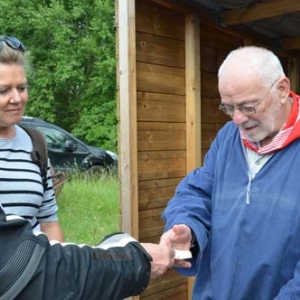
(89, 209)
(71, 50)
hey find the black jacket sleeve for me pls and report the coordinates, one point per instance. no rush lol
(32, 268)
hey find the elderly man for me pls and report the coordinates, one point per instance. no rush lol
(240, 212)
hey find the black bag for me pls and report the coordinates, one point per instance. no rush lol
(39, 153)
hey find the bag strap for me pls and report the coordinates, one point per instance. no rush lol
(39, 153)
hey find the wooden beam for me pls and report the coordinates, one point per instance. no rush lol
(291, 43)
(193, 100)
(242, 32)
(127, 129)
(181, 6)
(193, 90)
(126, 54)
(262, 10)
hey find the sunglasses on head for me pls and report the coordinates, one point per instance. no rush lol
(12, 42)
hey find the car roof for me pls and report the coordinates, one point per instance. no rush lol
(32, 119)
(28, 119)
(35, 120)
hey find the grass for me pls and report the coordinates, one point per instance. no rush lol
(89, 208)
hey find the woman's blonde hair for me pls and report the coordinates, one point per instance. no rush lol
(9, 55)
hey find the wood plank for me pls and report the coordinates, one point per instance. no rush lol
(151, 223)
(156, 193)
(153, 107)
(152, 228)
(150, 213)
(209, 85)
(210, 111)
(176, 293)
(294, 74)
(127, 114)
(157, 184)
(261, 10)
(209, 132)
(222, 54)
(218, 38)
(226, 34)
(209, 59)
(180, 6)
(155, 198)
(152, 231)
(161, 164)
(155, 19)
(290, 43)
(194, 98)
(160, 50)
(160, 79)
(165, 284)
(161, 136)
(192, 83)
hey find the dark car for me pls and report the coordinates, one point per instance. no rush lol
(68, 153)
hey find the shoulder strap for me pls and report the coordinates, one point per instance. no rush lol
(39, 153)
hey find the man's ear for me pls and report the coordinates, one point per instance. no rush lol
(283, 88)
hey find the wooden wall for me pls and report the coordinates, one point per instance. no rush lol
(215, 45)
(161, 134)
(161, 118)
(153, 117)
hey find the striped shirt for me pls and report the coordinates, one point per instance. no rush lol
(21, 188)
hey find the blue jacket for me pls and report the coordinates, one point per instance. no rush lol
(249, 251)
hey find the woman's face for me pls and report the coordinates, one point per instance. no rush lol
(13, 94)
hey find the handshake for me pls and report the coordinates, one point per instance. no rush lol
(172, 250)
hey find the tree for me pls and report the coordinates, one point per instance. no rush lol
(70, 45)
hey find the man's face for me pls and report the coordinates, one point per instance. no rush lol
(264, 122)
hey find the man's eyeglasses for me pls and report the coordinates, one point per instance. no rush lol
(12, 42)
(247, 109)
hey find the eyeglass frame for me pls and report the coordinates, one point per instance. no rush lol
(12, 42)
(243, 107)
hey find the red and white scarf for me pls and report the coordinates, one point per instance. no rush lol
(289, 132)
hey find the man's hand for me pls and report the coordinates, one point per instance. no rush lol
(162, 258)
(178, 237)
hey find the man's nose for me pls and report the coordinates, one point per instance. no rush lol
(238, 117)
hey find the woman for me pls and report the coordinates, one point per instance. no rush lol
(22, 192)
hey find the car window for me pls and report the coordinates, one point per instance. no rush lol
(56, 138)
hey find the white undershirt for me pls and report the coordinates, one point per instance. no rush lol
(256, 161)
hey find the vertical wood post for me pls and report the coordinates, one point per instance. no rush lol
(193, 91)
(127, 106)
(193, 99)
(127, 116)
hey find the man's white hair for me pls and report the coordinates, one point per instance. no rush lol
(255, 61)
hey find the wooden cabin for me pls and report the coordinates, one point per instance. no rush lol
(168, 55)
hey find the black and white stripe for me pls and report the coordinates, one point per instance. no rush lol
(21, 188)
